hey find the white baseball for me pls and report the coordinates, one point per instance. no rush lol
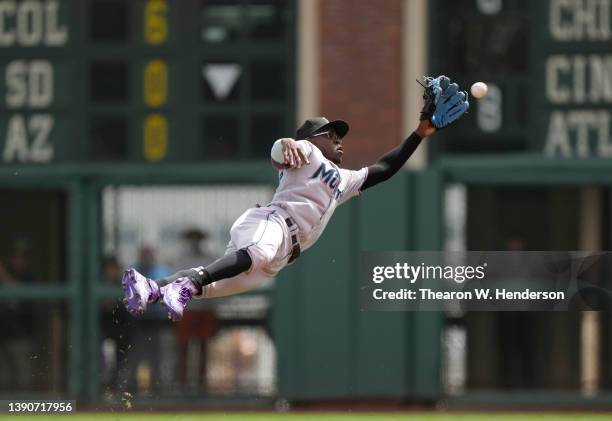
(277, 152)
(479, 89)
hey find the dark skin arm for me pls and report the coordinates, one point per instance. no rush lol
(292, 154)
(391, 162)
(425, 129)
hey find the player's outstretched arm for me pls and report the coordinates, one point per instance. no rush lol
(443, 105)
(391, 162)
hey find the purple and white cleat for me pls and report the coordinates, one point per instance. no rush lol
(138, 292)
(176, 295)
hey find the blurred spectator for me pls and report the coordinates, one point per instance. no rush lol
(148, 265)
(194, 253)
(18, 321)
(17, 268)
(111, 270)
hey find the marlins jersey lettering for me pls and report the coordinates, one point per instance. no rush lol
(311, 194)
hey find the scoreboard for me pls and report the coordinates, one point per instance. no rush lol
(144, 80)
(548, 64)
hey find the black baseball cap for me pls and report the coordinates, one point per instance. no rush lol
(316, 125)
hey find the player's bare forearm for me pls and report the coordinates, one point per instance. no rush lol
(425, 129)
(292, 155)
(391, 162)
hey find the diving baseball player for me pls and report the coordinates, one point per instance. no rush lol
(311, 186)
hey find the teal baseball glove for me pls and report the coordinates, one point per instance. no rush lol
(443, 102)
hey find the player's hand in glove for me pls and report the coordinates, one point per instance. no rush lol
(444, 103)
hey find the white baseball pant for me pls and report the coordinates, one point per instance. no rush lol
(263, 232)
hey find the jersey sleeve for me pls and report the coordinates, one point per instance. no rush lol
(354, 181)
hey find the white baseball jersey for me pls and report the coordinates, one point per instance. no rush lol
(311, 194)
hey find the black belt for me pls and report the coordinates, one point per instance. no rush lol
(295, 244)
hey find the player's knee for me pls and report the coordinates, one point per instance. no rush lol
(260, 256)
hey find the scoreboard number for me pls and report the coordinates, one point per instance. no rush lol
(156, 22)
(155, 83)
(155, 137)
(155, 126)
(155, 131)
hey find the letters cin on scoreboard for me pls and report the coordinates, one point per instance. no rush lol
(34, 110)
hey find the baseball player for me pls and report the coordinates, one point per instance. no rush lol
(311, 185)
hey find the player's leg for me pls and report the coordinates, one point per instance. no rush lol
(140, 291)
(231, 264)
(257, 238)
(235, 285)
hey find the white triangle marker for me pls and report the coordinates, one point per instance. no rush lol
(221, 78)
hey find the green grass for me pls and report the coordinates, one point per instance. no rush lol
(318, 416)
